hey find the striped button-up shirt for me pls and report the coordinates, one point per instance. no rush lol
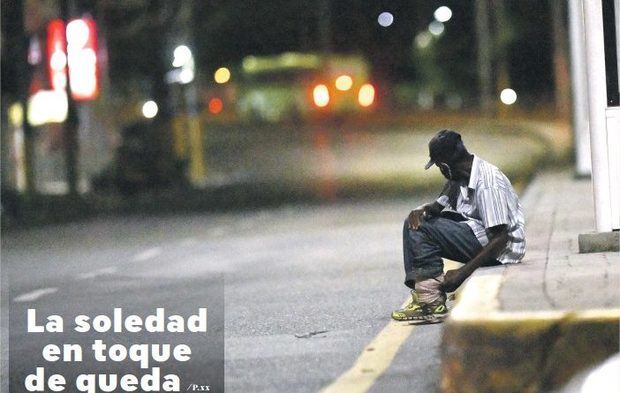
(489, 200)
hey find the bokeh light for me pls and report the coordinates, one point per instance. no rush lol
(150, 109)
(182, 56)
(47, 106)
(344, 82)
(16, 114)
(77, 33)
(366, 95)
(436, 28)
(385, 19)
(58, 60)
(508, 96)
(222, 75)
(186, 76)
(423, 40)
(215, 105)
(321, 96)
(443, 14)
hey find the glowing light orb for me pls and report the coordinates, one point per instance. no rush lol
(150, 109)
(344, 82)
(508, 96)
(385, 19)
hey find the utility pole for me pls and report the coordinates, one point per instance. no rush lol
(581, 126)
(159, 21)
(71, 124)
(560, 61)
(485, 77)
(503, 38)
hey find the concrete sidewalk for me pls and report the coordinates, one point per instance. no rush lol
(531, 327)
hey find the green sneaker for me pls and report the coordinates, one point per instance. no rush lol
(402, 314)
(428, 313)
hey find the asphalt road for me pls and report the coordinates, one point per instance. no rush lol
(287, 274)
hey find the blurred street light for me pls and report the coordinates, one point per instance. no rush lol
(222, 75)
(183, 61)
(16, 115)
(186, 76)
(182, 56)
(508, 96)
(423, 40)
(184, 73)
(436, 28)
(47, 106)
(385, 19)
(443, 14)
(150, 109)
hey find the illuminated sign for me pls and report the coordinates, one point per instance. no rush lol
(79, 39)
(82, 59)
(56, 56)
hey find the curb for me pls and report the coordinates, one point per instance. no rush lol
(487, 350)
(489, 347)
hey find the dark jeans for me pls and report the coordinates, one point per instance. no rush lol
(436, 238)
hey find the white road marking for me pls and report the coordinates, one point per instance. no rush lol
(147, 254)
(34, 295)
(96, 273)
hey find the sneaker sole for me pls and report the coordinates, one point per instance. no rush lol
(427, 321)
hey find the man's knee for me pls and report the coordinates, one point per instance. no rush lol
(410, 232)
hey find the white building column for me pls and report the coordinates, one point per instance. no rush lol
(597, 102)
(579, 92)
(617, 11)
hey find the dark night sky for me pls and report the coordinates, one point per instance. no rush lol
(225, 31)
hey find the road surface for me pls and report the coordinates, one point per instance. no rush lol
(307, 288)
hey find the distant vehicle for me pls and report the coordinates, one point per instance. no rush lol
(303, 85)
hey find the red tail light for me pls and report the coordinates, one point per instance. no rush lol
(215, 105)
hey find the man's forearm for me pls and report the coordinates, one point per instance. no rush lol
(488, 252)
(454, 278)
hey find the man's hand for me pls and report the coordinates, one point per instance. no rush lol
(416, 217)
(453, 279)
(419, 214)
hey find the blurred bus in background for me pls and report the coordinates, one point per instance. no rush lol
(303, 86)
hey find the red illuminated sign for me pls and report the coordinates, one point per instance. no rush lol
(56, 56)
(79, 39)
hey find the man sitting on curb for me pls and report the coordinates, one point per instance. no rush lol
(477, 220)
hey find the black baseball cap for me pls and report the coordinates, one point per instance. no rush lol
(443, 146)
